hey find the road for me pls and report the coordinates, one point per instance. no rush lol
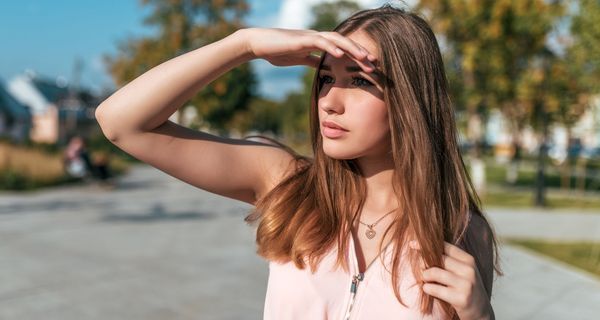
(157, 248)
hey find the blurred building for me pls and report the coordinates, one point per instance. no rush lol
(15, 117)
(584, 138)
(57, 111)
(588, 127)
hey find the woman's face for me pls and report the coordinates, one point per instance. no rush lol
(352, 99)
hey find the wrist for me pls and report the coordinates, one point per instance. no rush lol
(242, 36)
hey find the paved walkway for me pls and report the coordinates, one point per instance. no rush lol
(156, 248)
(557, 225)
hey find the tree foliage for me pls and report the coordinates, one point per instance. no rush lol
(491, 50)
(584, 53)
(184, 25)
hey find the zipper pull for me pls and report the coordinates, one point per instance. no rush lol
(355, 280)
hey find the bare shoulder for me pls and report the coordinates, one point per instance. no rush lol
(276, 165)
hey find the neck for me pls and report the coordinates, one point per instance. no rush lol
(380, 198)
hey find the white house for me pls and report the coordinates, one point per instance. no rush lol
(56, 111)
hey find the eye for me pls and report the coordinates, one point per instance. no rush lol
(360, 81)
(325, 79)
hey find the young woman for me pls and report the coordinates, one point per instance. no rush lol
(382, 223)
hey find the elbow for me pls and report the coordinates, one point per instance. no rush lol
(105, 124)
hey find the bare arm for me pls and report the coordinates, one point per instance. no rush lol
(135, 117)
(149, 100)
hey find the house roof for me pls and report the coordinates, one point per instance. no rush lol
(11, 106)
(52, 92)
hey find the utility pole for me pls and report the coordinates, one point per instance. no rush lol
(540, 185)
(72, 103)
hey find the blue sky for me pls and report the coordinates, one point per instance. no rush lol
(48, 36)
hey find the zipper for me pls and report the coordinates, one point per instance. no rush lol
(356, 279)
(353, 288)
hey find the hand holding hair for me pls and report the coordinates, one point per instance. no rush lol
(458, 283)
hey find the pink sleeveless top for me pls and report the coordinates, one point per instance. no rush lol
(332, 293)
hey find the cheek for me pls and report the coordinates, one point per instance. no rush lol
(369, 131)
(370, 118)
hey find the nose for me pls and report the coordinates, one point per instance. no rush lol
(331, 100)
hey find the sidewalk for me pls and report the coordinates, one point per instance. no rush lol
(559, 225)
(156, 248)
(536, 287)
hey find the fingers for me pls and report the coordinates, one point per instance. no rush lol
(337, 45)
(347, 45)
(441, 292)
(455, 261)
(441, 276)
(355, 51)
(457, 253)
(450, 250)
(458, 267)
(457, 282)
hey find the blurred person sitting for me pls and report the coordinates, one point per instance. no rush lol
(76, 159)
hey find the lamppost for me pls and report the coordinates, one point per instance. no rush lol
(542, 115)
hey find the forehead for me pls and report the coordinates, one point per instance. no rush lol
(362, 39)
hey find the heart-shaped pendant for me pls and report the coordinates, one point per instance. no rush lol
(370, 233)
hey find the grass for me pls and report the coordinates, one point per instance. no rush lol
(515, 198)
(496, 173)
(521, 194)
(583, 255)
(27, 168)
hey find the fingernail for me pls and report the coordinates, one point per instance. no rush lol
(339, 51)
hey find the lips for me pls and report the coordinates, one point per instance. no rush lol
(333, 125)
(332, 130)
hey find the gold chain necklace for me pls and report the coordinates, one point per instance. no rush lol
(370, 233)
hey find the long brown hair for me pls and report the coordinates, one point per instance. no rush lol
(315, 206)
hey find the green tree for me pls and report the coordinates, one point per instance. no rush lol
(576, 78)
(263, 116)
(490, 47)
(184, 25)
(497, 57)
(584, 53)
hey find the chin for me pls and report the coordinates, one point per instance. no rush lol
(339, 151)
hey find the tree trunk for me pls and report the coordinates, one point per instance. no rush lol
(540, 185)
(566, 166)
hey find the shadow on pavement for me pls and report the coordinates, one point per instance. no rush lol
(157, 213)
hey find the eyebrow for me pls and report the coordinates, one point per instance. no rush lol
(354, 68)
